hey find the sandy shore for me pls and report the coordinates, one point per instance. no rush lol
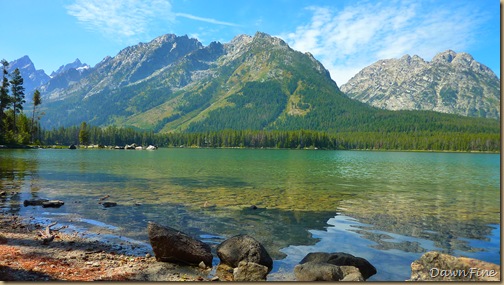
(24, 256)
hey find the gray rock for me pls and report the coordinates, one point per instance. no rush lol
(315, 271)
(250, 271)
(436, 266)
(53, 204)
(243, 248)
(351, 273)
(451, 83)
(170, 245)
(341, 259)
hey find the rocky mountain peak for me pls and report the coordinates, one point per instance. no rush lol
(444, 57)
(450, 83)
(76, 64)
(270, 39)
(22, 63)
(32, 77)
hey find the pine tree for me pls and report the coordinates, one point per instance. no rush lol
(37, 100)
(84, 134)
(18, 95)
(5, 100)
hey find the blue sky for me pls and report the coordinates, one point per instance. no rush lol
(345, 36)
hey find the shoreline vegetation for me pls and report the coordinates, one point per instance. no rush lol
(276, 139)
(91, 147)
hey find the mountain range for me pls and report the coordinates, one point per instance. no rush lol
(174, 83)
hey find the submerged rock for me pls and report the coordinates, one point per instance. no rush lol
(436, 266)
(34, 202)
(109, 204)
(170, 245)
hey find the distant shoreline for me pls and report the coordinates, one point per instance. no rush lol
(269, 148)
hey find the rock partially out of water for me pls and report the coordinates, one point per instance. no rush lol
(243, 248)
(315, 271)
(53, 204)
(341, 259)
(436, 266)
(170, 245)
(250, 271)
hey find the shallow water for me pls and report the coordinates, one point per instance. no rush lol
(388, 207)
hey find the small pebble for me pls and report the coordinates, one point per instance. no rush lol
(147, 255)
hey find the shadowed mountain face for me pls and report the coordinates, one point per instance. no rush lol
(451, 83)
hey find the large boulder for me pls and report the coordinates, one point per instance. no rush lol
(436, 266)
(341, 259)
(243, 248)
(170, 245)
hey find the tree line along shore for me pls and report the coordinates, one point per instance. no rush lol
(298, 139)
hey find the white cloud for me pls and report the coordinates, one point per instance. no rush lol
(347, 40)
(128, 19)
(208, 20)
(125, 18)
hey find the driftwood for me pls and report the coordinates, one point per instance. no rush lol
(104, 197)
(47, 236)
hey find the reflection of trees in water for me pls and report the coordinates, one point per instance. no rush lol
(13, 175)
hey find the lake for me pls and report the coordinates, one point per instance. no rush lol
(387, 207)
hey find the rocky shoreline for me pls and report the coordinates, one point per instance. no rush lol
(24, 256)
(35, 251)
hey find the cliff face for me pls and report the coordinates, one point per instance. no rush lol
(451, 83)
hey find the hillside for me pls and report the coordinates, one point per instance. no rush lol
(175, 84)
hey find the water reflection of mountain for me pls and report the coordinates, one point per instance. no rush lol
(449, 236)
(391, 249)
